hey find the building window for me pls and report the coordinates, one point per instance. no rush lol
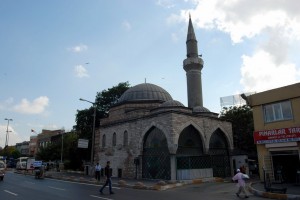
(103, 140)
(278, 111)
(125, 139)
(114, 141)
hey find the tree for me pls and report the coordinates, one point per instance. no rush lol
(242, 126)
(104, 101)
(107, 98)
(10, 152)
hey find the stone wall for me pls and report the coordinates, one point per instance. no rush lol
(171, 123)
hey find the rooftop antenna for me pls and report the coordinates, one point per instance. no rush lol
(145, 80)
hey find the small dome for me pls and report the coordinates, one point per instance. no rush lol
(171, 103)
(199, 109)
(144, 92)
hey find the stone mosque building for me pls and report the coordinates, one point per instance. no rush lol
(152, 136)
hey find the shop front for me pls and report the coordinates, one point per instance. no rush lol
(279, 153)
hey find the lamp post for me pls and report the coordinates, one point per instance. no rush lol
(93, 133)
(7, 136)
(62, 146)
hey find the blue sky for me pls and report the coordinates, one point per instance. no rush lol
(54, 52)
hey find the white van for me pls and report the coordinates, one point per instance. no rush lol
(2, 170)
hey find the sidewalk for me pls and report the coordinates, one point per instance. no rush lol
(122, 182)
(293, 191)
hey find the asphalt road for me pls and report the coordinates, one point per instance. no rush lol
(21, 187)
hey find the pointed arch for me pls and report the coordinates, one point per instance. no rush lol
(156, 156)
(219, 152)
(146, 130)
(197, 127)
(218, 140)
(190, 142)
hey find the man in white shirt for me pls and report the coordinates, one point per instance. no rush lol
(97, 171)
(241, 183)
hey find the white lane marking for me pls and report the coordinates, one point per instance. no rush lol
(56, 188)
(11, 192)
(100, 197)
(82, 183)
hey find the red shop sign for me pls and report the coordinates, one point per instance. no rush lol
(277, 135)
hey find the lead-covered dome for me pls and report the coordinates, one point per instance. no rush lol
(171, 103)
(145, 92)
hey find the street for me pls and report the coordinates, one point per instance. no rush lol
(21, 187)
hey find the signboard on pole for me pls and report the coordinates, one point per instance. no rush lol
(29, 164)
(83, 143)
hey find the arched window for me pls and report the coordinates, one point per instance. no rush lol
(125, 139)
(103, 140)
(114, 141)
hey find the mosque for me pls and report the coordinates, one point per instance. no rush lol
(149, 135)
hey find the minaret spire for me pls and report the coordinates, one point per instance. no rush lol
(193, 65)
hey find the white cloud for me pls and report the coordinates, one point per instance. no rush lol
(274, 23)
(37, 106)
(261, 72)
(80, 71)
(78, 48)
(126, 25)
(13, 137)
(247, 18)
(165, 3)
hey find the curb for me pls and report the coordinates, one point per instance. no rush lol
(162, 185)
(271, 195)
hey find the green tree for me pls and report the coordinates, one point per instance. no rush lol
(107, 98)
(10, 152)
(104, 101)
(242, 127)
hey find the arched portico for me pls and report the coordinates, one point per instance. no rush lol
(219, 152)
(156, 156)
(190, 159)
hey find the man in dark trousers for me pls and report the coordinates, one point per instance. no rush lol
(108, 174)
(97, 171)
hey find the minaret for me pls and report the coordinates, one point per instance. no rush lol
(193, 65)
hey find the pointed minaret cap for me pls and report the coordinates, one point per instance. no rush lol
(191, 33)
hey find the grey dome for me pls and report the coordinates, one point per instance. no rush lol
(171, 103)
(199, 109)
(144, 92)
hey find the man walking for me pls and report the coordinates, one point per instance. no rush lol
(241, 183)
(108, 175)
(97, 171)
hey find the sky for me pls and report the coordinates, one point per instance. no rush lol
(54, 52)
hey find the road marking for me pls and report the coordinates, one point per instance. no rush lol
(81, 183)
(56, 188)
(100, 197)
(11, 192)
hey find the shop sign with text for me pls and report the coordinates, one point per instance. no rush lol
(277, 135)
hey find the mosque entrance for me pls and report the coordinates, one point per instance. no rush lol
(156, 156)
(218, 150)
(191, 162)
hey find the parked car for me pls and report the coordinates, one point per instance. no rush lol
(2, 170)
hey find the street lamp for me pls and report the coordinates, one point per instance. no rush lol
(62, 146)
(93, 133)
(7, 136)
